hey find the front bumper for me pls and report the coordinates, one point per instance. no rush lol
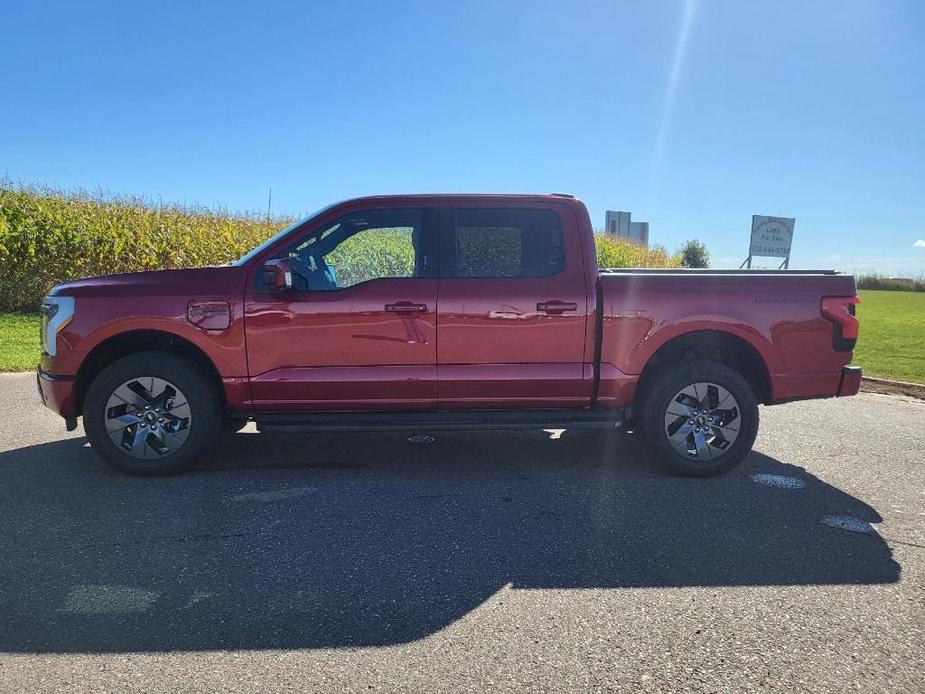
(58, 393)
(850, 382)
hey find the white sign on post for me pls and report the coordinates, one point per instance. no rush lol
(771, 238)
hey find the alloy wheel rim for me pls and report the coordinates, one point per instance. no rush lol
(702, 421)
(148, 417)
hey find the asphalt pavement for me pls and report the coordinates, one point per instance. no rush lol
(478, 562)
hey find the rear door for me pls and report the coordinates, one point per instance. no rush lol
(512, 308)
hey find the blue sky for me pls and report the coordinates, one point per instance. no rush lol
(693, 115)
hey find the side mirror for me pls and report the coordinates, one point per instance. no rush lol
(277, 274)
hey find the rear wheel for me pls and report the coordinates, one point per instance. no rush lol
(700, 417)
(152, 413)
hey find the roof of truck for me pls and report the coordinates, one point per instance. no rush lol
(468, 197)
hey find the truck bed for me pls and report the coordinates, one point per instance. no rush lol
(776, 313)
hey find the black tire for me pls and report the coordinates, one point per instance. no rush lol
(205, 409)
(661, 392)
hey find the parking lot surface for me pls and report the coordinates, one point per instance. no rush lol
(493, 561)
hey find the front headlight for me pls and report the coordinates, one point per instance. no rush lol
(57, 312)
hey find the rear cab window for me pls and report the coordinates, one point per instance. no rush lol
(496, 242)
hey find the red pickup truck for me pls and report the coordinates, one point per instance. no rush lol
(440, 312)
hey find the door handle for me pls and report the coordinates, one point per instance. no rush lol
(405, 307)
(555, 307)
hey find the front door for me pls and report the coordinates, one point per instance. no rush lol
(513, 309)
(357, 331)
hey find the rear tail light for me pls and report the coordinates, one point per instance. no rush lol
(839, 310)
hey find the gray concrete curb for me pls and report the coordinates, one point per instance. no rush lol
(887, 385)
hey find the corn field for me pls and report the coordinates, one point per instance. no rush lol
(47, 237)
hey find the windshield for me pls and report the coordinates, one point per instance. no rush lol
(253, 253)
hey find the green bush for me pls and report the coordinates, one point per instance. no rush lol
(48, 237)
(694, 254)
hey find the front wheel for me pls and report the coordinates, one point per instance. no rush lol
(700, 417)
(151, 413)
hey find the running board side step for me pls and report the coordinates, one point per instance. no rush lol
(438, 421)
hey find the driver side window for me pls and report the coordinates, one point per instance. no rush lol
(360, 247)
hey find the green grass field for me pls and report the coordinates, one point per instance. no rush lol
(19, 341)
(892, 341)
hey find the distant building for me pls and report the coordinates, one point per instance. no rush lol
(619, 224)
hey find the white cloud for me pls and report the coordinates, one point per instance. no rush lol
(920, 243)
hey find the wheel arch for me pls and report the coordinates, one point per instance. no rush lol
(719, 345)
(134, 341)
